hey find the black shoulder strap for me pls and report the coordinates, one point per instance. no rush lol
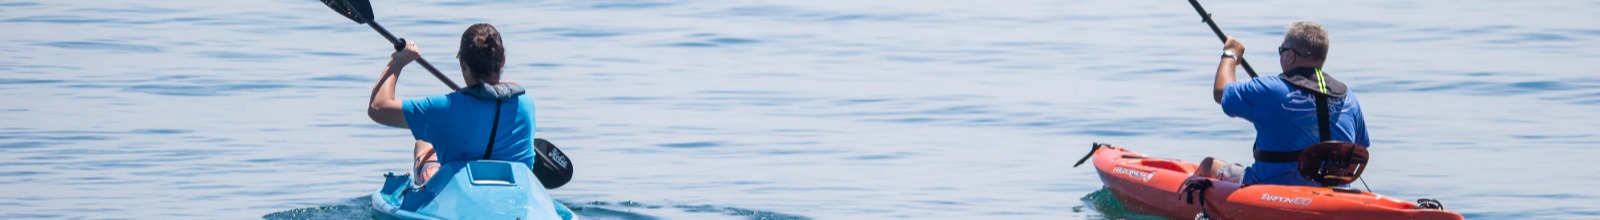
(1323, 122)
(1324, 87)
(496, 126)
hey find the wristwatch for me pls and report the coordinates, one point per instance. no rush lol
(1229, 54)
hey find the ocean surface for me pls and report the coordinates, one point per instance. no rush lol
(816, 109)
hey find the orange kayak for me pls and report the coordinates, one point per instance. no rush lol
(1158, 186)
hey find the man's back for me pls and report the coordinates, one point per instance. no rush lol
(1285, 119)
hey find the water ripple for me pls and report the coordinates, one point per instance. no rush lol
(1485, 87)
(890, 156)
(704, 40)
(242, 56)
(130, 10)
(57, 19)
(584, 33)
(18, 4)
(200, 90)
(699, 144)
(799, 14)
(342, 78)
(630, 5)
(114, 47)
(4, 81)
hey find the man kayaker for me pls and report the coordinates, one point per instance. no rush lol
(459, 126)
(1282, 109)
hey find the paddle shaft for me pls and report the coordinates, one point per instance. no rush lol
(1206, 17)
(425, 64)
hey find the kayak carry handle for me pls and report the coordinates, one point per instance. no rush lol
(1426, 203)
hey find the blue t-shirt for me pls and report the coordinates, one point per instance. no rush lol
(1285, 119)
(458, 126)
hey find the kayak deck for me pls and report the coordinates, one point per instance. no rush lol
(484, 189)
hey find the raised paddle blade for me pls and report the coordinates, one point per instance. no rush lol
(359, 11)
(554, 168)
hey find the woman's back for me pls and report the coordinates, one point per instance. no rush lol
(458, 125)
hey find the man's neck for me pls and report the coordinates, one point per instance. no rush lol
(487, 81)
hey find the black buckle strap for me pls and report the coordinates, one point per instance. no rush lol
(1277, 156)
(1324, 124)
(1190, 189)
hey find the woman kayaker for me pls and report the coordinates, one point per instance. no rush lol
(489, 119)
(1283, 109)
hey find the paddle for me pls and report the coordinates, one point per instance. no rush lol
(554, 169)
(360, 11)
(1206, 17)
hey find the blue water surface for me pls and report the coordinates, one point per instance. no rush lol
(822, 109)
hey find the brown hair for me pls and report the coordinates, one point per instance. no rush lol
(482, 51)
(1308, 39)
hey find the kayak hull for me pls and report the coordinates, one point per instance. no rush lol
(484, 189)
(1155, 186)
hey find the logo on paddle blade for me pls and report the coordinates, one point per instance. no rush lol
(558, 157)
(1135, 173)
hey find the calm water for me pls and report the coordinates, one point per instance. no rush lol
(823, 109)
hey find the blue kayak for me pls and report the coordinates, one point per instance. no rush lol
(482, 189)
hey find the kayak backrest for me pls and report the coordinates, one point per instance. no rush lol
(1333, 163)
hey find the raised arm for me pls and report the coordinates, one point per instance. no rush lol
(1225, 67)
(382, 107)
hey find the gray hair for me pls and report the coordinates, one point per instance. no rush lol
(1308, 39)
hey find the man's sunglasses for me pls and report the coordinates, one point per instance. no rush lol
(1282, 49)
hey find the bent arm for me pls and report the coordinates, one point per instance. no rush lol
(382, 107)
(1226, 66)
(1224, 77)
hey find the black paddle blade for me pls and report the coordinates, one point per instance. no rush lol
(554, 168)
(359, 11)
